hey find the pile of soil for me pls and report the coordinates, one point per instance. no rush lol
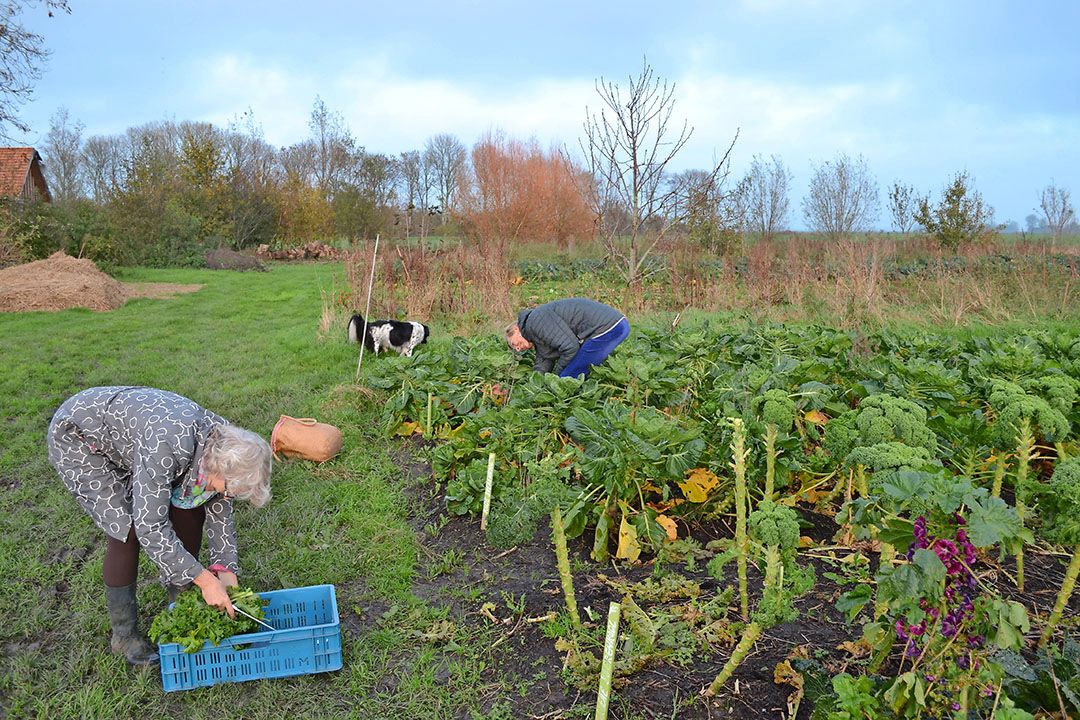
(58, 282)
(231, 260)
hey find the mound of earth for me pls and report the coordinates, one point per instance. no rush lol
(58, 282)
(232, 260)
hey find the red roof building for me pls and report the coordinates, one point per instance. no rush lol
(21, 175)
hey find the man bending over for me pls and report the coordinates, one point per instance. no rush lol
(570, 335)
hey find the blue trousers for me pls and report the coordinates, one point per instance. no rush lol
(594, 350)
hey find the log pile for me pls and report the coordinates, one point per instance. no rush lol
(308, 251)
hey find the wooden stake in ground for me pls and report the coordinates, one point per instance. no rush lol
(367, 307)
(487, 490)
(607, 667)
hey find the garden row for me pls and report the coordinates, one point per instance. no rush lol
(910, 439)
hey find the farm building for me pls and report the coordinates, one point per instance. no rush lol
(21, 175)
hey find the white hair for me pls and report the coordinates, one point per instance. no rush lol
(243, 459)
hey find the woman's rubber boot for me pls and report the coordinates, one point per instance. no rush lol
(124, 615)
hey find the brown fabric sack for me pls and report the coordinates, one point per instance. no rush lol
(305, 438)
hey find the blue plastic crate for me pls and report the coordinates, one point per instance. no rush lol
(306, 640)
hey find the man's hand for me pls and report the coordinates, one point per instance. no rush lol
(214, 592)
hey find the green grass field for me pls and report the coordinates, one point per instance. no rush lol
(246, 347)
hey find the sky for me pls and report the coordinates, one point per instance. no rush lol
(922, 89)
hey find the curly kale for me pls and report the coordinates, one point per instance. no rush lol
(885, 460)
(841, 435)
(1011, 404)
(775, 525)
(1059, 391)
(776, 408)
(1062, 500)
(884, 418)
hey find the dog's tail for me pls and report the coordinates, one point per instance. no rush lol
(356, 328)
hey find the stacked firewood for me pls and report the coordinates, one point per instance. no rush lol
(308, 251)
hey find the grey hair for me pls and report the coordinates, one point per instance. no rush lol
(511, 328)
(243, 459)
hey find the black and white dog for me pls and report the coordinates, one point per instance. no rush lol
(389, 334)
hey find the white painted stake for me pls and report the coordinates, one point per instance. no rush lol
(367, 307)
(487, 490)
(603, 694)
(427, 428)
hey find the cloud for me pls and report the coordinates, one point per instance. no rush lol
(385, 111)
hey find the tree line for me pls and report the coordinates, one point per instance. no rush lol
(165, 192)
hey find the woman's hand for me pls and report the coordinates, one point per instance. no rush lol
(214, 592)
(228, 579)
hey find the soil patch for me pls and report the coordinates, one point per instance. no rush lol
(158, 290)
(523, 657)
(59, 282)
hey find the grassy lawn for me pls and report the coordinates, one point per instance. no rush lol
(245, 346)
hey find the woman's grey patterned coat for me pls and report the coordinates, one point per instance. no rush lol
(121, 450)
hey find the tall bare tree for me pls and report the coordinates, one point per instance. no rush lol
(22, 54)
(903, 203)
(843, 197)
(1056, 208)
(63, 156)
(445, 157)
(104, 165)
(766, 188)
(335, 148)
(628, 145)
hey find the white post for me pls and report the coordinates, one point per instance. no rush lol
(603, 693)
(367, 307)
(487, 491)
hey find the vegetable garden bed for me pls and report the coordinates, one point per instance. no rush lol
(907, 440)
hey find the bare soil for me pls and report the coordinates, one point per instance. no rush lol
(158, 290)
(525, 658)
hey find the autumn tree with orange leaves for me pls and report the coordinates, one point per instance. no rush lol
(517, 191)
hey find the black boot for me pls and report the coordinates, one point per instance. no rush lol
(126, 639)
(175, 590)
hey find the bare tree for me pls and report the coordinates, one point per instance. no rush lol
(445, 158)
(903, 203)
(104, 166)
(628, 146)
(63, 156)
(843, 197)
(766, 196)
(335, 148)
(1057, 208)
(713, 214)
(21, 56)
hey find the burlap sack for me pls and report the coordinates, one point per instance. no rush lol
(305, 438)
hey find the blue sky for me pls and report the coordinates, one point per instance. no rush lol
(922, 89)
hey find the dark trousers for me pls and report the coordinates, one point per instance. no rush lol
(121, 566)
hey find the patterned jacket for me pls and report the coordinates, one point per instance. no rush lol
(558, 328)
(121, 451)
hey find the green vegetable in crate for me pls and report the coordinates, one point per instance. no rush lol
(190, 622)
